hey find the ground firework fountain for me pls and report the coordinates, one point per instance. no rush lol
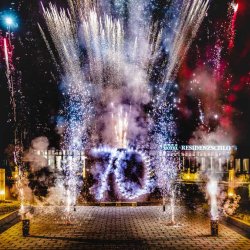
(212, 188)
(63, 32)
(16, 120)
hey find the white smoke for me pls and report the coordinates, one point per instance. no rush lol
(33, 156)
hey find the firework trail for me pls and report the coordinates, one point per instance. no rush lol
(9, 71)
(104, 44)
(190, 18)
(6, 53)
(110, 52)
(21, 180)
(15, 92)
(216, 117)
(48, 47)
(233, 21)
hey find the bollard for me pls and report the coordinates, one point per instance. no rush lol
(163, 204)
(164, 208)
(214, 227)
(26, 227)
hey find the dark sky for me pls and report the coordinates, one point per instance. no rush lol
(39, 79)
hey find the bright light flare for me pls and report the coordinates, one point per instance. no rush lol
(9, 21)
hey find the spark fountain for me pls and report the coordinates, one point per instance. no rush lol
(164, 133)
(166, 172)
(63, 32)
(14, 90)
(213, 191)
(185, 27)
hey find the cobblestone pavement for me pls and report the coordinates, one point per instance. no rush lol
(119, 228)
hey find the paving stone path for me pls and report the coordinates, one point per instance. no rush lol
(119, 228)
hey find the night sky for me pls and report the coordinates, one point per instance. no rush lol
(39, 80)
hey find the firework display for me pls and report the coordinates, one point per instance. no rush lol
(147, 98)
(120, 57)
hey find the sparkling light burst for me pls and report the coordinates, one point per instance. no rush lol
(119, 54)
